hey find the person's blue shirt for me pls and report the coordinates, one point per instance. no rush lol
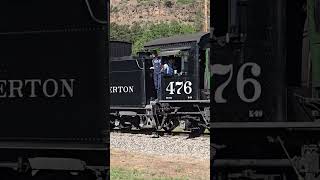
(156, 62)
(168, 69)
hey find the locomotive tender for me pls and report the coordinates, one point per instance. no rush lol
(265, 65)
(53, 100)
(184, 97)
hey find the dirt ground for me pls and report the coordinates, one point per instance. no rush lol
(161, 166)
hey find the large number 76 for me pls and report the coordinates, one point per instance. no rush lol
(220, 69)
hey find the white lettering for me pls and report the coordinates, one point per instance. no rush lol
(121, 89)
(125, 89)
(2, 83)
(114, 90)
(67, 86)
(45, 88)
(33, 85)
(131, 89)
(15, 88)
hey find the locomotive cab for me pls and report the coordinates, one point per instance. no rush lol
(190, 60)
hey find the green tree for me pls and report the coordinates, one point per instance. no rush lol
(140, 34)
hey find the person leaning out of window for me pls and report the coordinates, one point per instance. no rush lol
(168, 68)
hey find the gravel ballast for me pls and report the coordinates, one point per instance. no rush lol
(163, 146)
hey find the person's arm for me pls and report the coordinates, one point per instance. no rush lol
(164, 68)
(152, 64)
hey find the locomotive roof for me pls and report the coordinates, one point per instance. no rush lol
(195, 37)
(126, 58)
(118, 41)
(123, 58)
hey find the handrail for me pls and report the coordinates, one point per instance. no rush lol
(93, 16)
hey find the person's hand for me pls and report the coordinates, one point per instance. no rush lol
(151, 67)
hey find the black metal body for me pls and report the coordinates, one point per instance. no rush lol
(262, 45)
(120, 48)
(127, 82)
(275, 133)
(49, 42)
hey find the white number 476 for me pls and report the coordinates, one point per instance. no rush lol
(187, 87)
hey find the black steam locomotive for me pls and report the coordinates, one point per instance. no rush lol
(53, 100)
(184, 97)
(265, 65)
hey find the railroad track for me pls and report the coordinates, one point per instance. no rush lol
(161, 132)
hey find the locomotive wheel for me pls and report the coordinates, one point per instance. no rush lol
(170, 125)
(136, 122)
(197, 129)
(112, 124)
(125, 123)
(196, 132)
(125, 126)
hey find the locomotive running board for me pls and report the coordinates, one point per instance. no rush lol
(184, 101)
(309, 125)
(251, 162)
(52, 146)
(133, 108)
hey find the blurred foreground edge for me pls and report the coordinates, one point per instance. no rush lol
(266, 103)
(53, 104)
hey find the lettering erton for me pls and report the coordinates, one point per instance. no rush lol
(35, 87)
(121, 89)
